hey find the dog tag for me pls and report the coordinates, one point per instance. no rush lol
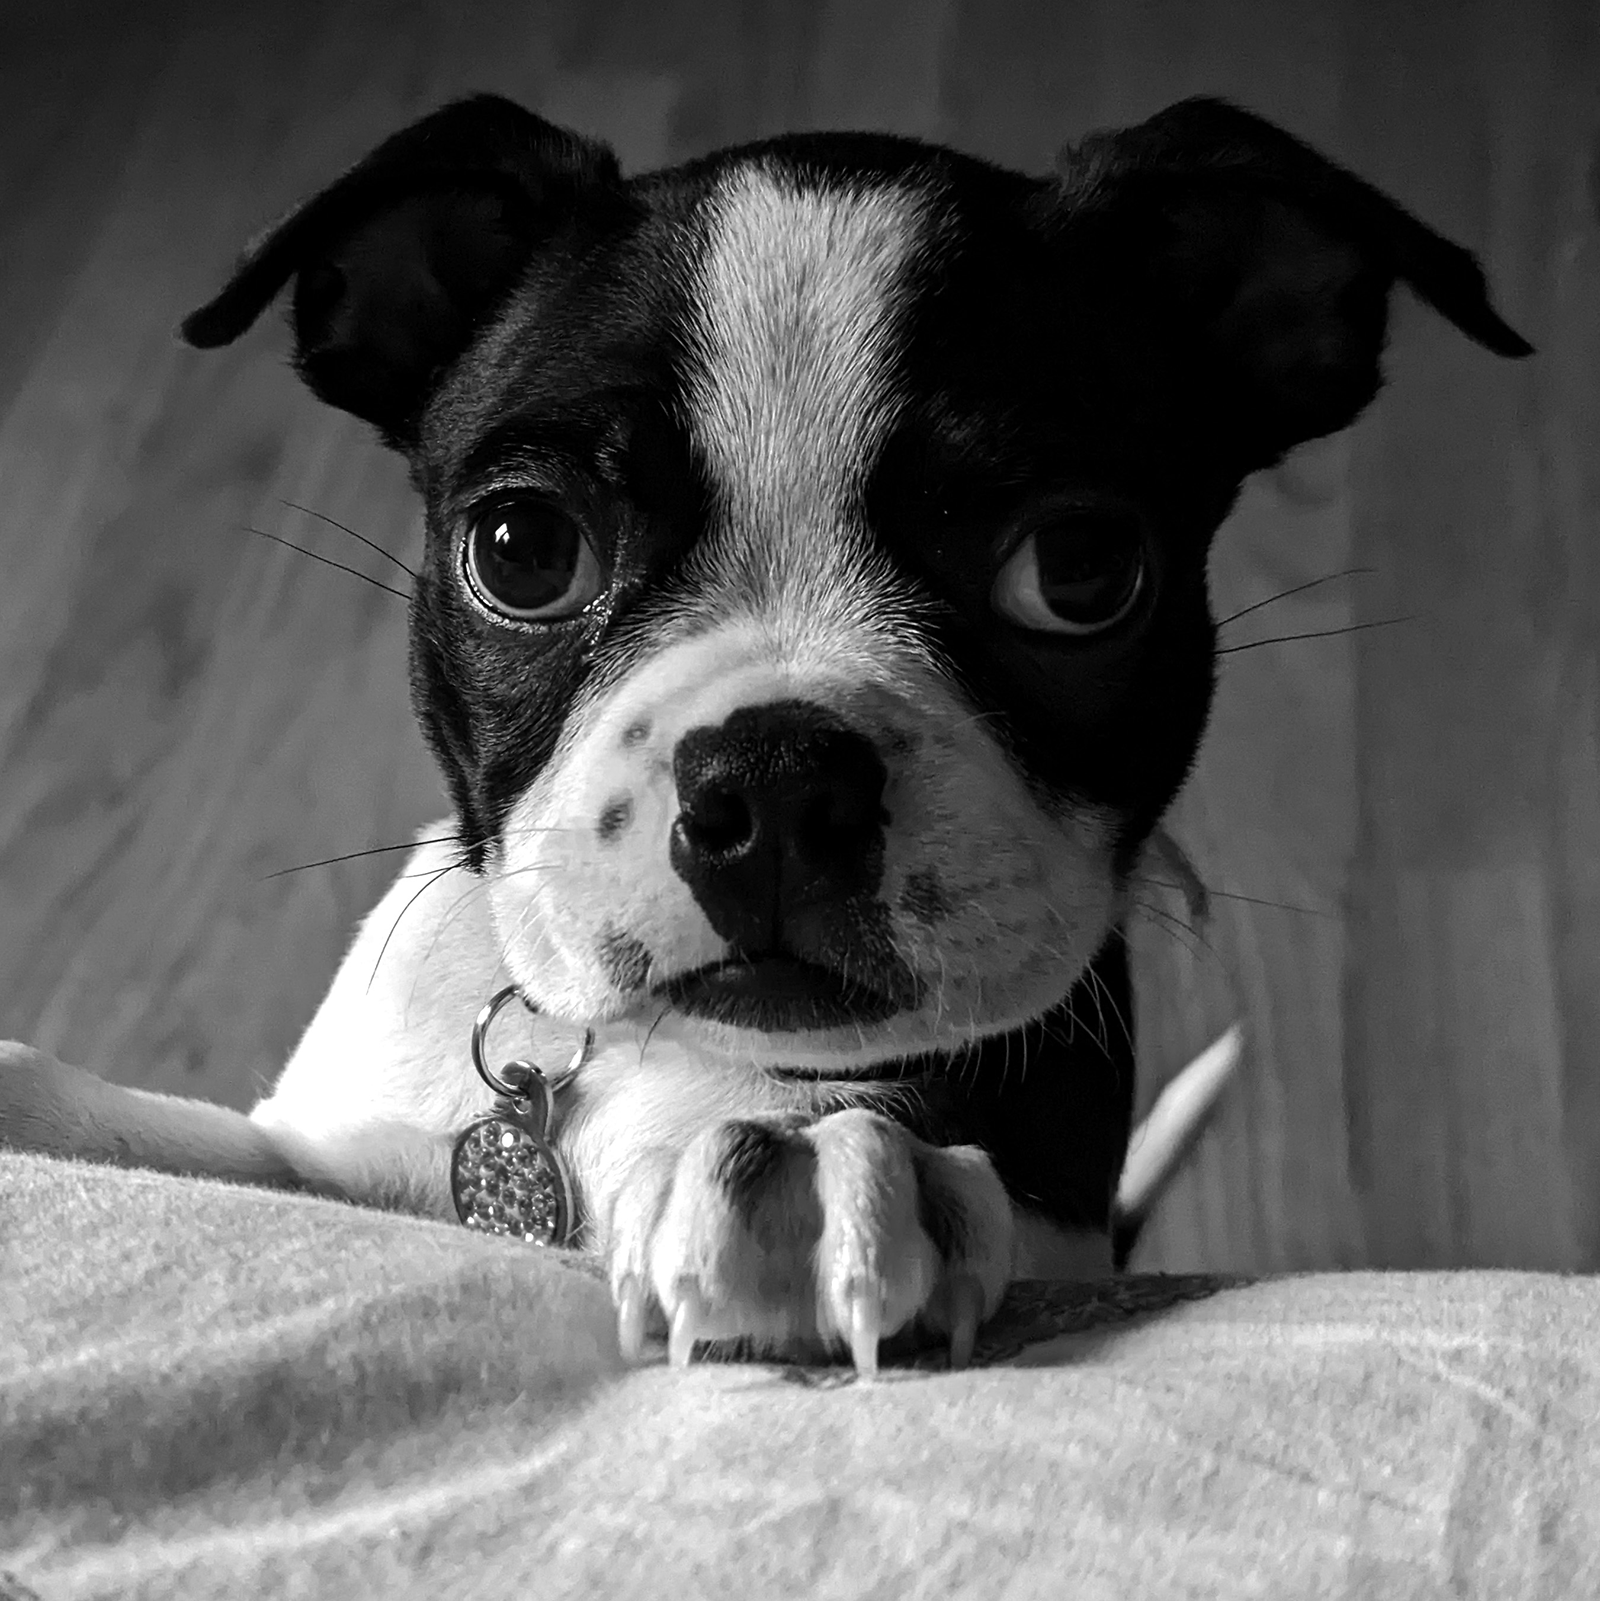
(505, 1175)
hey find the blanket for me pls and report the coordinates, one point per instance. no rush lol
(215, 1391)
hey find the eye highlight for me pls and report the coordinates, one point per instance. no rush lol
(1081, 571)
(529, 559)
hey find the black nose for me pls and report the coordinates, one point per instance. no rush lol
(780, 812)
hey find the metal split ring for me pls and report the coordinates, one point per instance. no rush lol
(554, 1084)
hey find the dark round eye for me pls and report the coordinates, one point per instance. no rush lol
(527, 558)
(1079, 573)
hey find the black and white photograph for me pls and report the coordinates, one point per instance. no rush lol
(800, 798)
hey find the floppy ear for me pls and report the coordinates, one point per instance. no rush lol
(1273, 264)
(401, 262)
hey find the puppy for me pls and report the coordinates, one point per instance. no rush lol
(812, 632)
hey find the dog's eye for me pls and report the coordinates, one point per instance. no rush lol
(1080, 573)
(528, 559)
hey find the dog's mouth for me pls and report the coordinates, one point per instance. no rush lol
(779, 994)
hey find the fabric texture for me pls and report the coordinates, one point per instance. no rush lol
(211, 1391)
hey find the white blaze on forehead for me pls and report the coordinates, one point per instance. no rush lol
(795, 332)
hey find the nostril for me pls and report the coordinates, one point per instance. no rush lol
(718, 820)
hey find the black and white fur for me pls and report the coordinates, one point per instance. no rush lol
(810, 804)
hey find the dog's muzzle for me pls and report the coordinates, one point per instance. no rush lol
(780, 839)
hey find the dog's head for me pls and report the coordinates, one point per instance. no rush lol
(813, 624)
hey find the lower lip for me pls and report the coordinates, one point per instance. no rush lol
(776, 995)
(884, 1073)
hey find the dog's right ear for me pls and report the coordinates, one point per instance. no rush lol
(399, 263)
(1267, 267)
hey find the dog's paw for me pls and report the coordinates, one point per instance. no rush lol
(795, 1235)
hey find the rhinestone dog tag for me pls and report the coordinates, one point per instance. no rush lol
(505, 1175)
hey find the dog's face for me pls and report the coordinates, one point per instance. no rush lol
(813, 623)
(818, 651)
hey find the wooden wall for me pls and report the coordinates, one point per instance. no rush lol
(186, 708)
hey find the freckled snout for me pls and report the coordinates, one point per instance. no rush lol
(780, 815)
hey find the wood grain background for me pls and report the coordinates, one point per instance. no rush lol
(186, 709)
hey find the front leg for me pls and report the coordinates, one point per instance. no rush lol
(53, 1109)
(800, 1235)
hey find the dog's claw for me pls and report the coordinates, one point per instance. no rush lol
(631, 1307)
(688, 1317)
(966, 1309)
(866, 1327)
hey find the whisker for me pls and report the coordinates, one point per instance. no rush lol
(433, 878)
(1190, 938)
(504, 875)
(1195, 941)
(1318, 633)
(327, 561)
(1073, 1025)
(355, 856)
(1283, 594)
(650, 1033)
(1249, 900)
(1102, 999)
(436, 839)
(1164, 850)
(333, 522)
(531, 907)
(477, 886)
(944, 985)
(426, 872)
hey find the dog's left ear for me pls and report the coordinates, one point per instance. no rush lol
(399, 263)
(1270, 266)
